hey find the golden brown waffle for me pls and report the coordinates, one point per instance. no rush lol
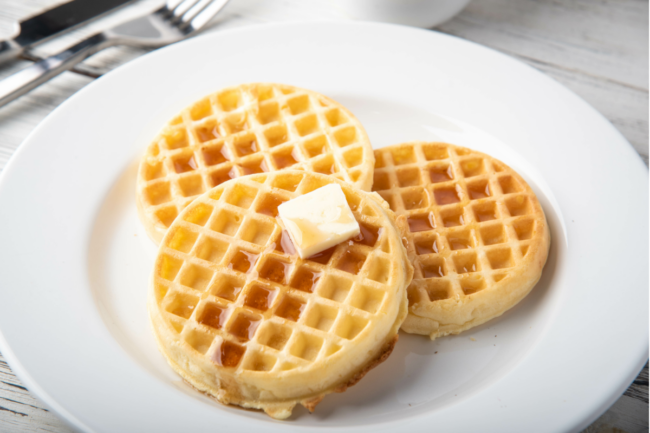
(246, 129)
(245, 321)
(476, 233)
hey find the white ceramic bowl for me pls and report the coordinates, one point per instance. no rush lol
(418, 13)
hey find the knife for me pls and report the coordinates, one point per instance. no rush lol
(52, 22)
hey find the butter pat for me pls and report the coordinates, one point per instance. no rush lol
(318, 220)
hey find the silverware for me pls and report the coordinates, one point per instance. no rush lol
(176, 20)
(55, 21)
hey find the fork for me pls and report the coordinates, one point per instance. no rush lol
(174, 21)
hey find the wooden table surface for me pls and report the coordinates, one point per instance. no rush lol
(596, 48)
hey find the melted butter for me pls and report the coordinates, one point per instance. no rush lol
(319, 220)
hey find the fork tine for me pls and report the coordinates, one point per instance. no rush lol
(194, 11)
(181, 8)
(204, 14)
(170, 5)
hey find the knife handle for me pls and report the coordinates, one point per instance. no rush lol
(9, 50)
(33, 76)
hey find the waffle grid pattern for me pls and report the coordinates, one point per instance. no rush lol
(469, 219)
(227, 287)
(245, 130)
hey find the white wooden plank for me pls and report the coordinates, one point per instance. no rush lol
(604, 38)
(20, 411)
(627, 415)
(598, 49)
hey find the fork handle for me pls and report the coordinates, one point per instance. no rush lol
(33, 76)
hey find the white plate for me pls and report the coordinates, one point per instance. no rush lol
(75, 260)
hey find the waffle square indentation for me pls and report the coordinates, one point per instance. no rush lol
(260, 297)
(182, 240)
(213, 315)
(185, 163)
(472, 167)
(493, 234)
(243, 261)
(345, 136)
(191, 185)
(409, 177)
(182, 305)
(196, 277)
(244, 326)
(472, 284)
(275, 270)
(199, 341)
(290, 308)
(276, 135)
(299, 104)
(241, 196)
(228, 354)
(257, 232)
(437, 289)
(335, 288)
(306, 346)
(305, 279)
(351, 261)
(466, 263)
(227, 287)
(274, 335)
(207, 132)
(435, 151)
(199, 214)
(403, 155)
(321, 317)
(500, 258)
(211, 250)
(335, 117)
(415, 199)
(226, 222)
(433, 267)
(367, 299)
(349, 327)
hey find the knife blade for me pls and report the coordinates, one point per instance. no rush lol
(55, 21)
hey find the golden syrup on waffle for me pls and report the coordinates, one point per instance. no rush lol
(323, 257)
(244, 327)
(243, 261)
(420, 223)
(270, 206)
(458, 243)
(427, 247)
(219, 177)
(351, 261)
(229, 354)
(214, 156)
(260, 298)
(275, 270)
(213, 316)
(291, 309)
(181, 165)
(441, 174)
(446, 196)
(207, 133)
(306, 280)
(367, 235)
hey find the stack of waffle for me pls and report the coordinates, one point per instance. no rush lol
(449, 239)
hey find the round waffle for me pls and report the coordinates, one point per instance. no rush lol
(247, 129)
(476, 233)
(243, 319)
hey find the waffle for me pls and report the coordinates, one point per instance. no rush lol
(242, 130)
(241, 318)
(476, 233)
